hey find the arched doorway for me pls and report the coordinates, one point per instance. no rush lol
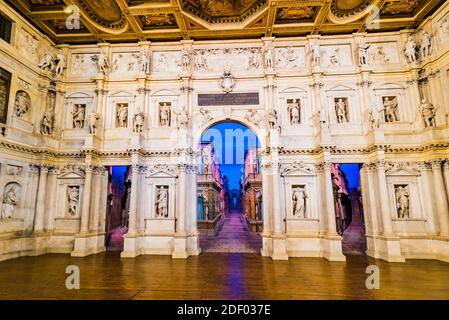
(229, 182)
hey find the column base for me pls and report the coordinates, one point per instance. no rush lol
(385, 248)
(274, 247)
(131, 247)
(185, 246)
(332, 248)
(87, 244)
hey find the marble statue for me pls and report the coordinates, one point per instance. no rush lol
(391, 109)
(102, 63)
(47, 122)
(144, 61)
(402, 202)
(165, 114)
(269, 58)
(94, 122)
(10, 202)
(340, 109)
(78, 116)
(428, 113)
(46, 62)
(379, 56)
(161, 202)
(138, 121)
(273, 120)
(73, 195)
(363, 53)
(60, 63)
(293, 109)
(22, 103)
(410, 50)
(316, 54)
(426, 44)
(122, 115)
(299, 202)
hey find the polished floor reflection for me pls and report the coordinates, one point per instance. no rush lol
(219, 276)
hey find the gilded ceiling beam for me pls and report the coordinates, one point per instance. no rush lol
(179, 17)
(271, 18)
(131, 20)
(322, 16)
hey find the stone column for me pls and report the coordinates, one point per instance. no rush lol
(132, 225)
(427, 187)
(278, 230)
(446, 176)
(266, 192)
(440, 198)
(40, 205)
(330, 203)
(372, 199)
(181, 210)
(85, 208)
(383, 196)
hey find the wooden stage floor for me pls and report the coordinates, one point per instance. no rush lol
(219, 276)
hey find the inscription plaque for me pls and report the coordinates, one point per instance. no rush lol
(228, 99)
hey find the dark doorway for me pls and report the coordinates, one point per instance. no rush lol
(119, 188)
(349, 209)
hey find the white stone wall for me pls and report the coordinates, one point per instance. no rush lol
(403, 153)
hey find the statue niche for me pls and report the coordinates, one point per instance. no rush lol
(341, 110)
(299, 202)
(294, 111)
(402, 201)
(161, 202)
(73, 196)
(122, 115)
(165, 114)
(78, 116)
(11, 200)
(390, 106)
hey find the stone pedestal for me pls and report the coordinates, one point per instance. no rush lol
(87, 244)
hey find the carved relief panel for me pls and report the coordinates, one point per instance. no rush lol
(336, 56)
(166, 62)
(380, 54)
(234, 59)
(125, 62)
(288, 58)
(83, 65)
(28, 45)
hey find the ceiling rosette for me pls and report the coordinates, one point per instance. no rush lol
(347, 11)
(105, 15)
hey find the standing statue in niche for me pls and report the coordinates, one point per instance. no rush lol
(426, 44)
(273, 120)
(94, 122)
(293, 109)
(10, 201)
(138, 121)
(299, 202)
(22, 103)
(402, 202)
(47, 123)
(391, 109)
(78, 116)
(144, 61)
(73, 196)
(165, 114)
(410, 50)
(363, 53)
(340, 108)
(122, 115)
(162, 202)
(428, 113)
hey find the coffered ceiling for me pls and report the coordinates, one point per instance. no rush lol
(161, 20)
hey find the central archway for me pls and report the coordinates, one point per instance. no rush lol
(229, 188)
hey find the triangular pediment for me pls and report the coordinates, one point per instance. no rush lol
(297, 169)
(341, 88)
(163, 171)
(401, 169)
